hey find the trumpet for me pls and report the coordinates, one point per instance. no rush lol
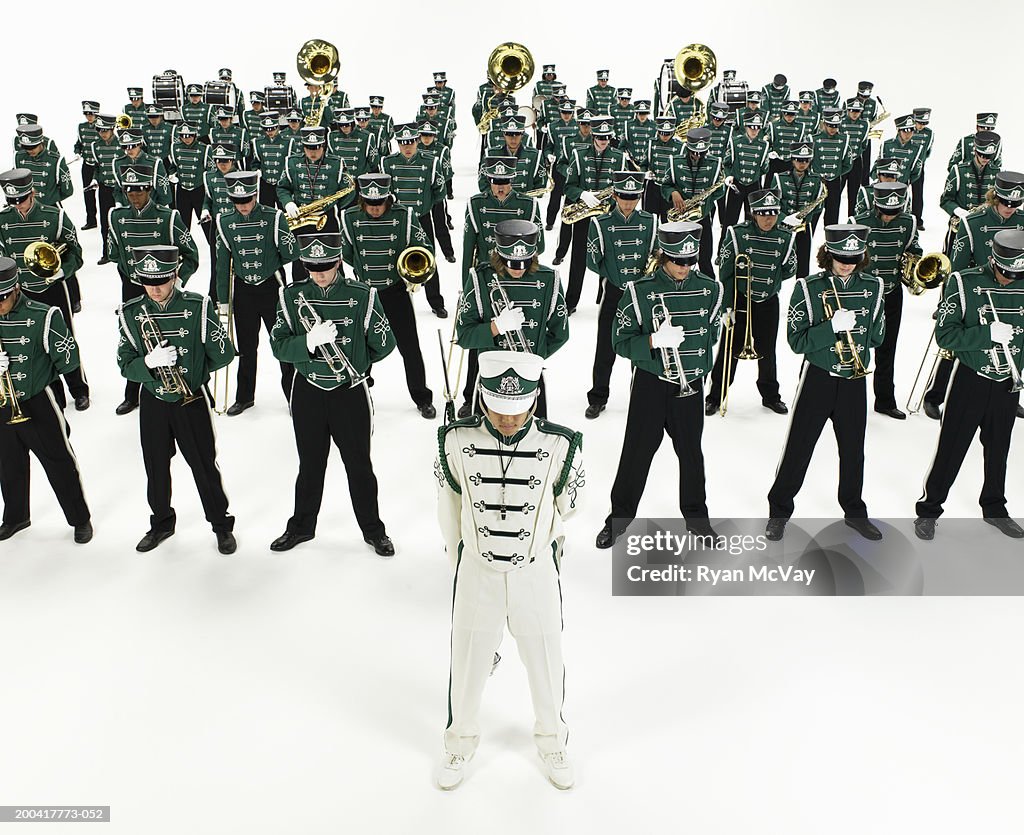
(42, 259)
(575, 212)
(743, 270)
(806, 210)
(509, 68)
(881, 117)
(171, 379)
(923, 272)
(850, 345)
(693, 207)
(9, 395)
(416, 265)
(913, 405)
(1007, 366)
(317, 63)
(222, 376)
(330, 353)
(515, 340)
(671, 358)
(314, 213)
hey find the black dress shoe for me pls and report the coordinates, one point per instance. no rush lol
(933, 410)
(90, 225)
(237, 408)
(1020, 411)
(572, 310)
(152, 539)
(450, 259)
(103, 260)
(440, 313)
(126, 407)
(701, 527)
(777, 406)
(226, 543)
(894, 413)
(924, 528)
(1006, 525)
(465, 410)
(865, 527)
(287, 541)
(558, 260)
(451, 226)
(710, 407)
(605, 537)
(775, 529)
(593, 410)
(83, 533)
(82, 402)
(7, 531)
(76, 307)
(382, 545)
(548, 227)
(428, 411)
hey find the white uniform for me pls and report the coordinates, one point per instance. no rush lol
(501, 507)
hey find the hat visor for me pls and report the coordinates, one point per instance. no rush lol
(320, 266)
(846, 257)
(505, 405)
(151, 280)
(242, 198)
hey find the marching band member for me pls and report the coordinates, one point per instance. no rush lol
(252, 119)
(513, 274)
(892, 235)
(965, 147)
(50, 174)
(24, 220)
(856, 127)
(808, 114)
(775, 95)
(690, 173)
(331, 329)
(827, 95)
(228, 132)
(382, 124)
(189, 160)
(581, 140)
(968, 183)
(557, 131)
(619, 246)
(780, 134)
(832, 161)
(721, 136)
(135, 108)
(924, 138)
(884, 170)
(667, 325)
(157, 134)
(102, 152)
(872, 107)
(531, 173)
(638, 131)
(269, 151)
(196, 112)
(500, 576)
(980, 319)
(746, 163)
(36, 347)
(374, 233)
(600, 96)
(799, 189)
(431, 144)
(216, 201)
(171, 341)
(772, 254)
(621, 112)
(903, 148)
(86, 136)
(832, 385)
(356, 147)
(253, 246)
(133, 159)
(657, 156)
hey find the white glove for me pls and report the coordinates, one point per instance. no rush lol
(667, 336)
(93, 184)
(551, 158)
(5, 362)
(730, 182)
(961, 212)
(321, 334)
(590, 200)
(648, 175)
(728, 318)
(173, 178)
(162, 355)
(291, 210)
(772, 155)
(118, 204)
(510, 319)
(222, 309)
(792, 220)
(843, 320)
(1002, 332)
(204, 217)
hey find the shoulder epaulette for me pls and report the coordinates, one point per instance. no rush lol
(550, 428)
(442, 432)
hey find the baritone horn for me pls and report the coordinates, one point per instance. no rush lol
(317, 63)
(42, 259)
(924, 272)
(416, 264)
(123, 121)
(509, 68)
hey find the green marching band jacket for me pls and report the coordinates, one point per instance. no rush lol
(43, 327)
(50, 176)
(254, 248)
(798, 192)
(372, 245)
(618, 247)
(973, 242)
(152, 225)
(887, 242)
(188, 322)
(772, 261)
(43, 223)
(483, 212)
(189, 162)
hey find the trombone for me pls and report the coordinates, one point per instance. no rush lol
(509, 68)
(317, 63)
(42, 259)
(221, 389)
(1008, 365)
(914, 406)
(515, 340)
(9, 396)
(744, 270)
(171, 379)
(671, 358)
(850, 345)
(330, 353)
(416, 265)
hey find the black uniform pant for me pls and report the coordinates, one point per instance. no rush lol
(398, 308)
(555, 200)
(852, 185)
(189, 203)
(210, 230)
(803, 249)
(577, 262)
(164, 426)
(821, 397)
(604, 355)
(88, 175)
(936, 393)
(706, 252)
(268, 194)
(917, 198)
(472, 372)
(654, 409)
(865, 163)
(736, 200)
(46, 436)
(776, 166)
(974, 403)
(439, 221)
(57, 295)
(256, 304)
(764, 320)
(654, 202)
(130, 291)
(885, 354)
(833, 201)
(345, 416)
(105, 197)
(433, 285)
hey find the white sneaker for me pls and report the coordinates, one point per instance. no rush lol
(559, 769)
(450, 771)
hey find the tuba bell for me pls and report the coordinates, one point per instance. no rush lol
(924, 272)
(695, 66)
(416, 264)
(509, 68)
(42, 259)
(317, 63)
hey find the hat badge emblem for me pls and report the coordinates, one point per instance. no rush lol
(150, 265)
(1018, 264)
(510, 385)
(630, 185)
(219, 150)
(317, 250)
(131, 177)
(1016, 194)
(499, 168)
(519, 251)
(990, 121)
(769, 200)
(688, 247)
(22, 121)
(852, 243)
(373, 192)
(239, 188)
(10, 189)
(892, 200)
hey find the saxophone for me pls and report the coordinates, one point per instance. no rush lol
(575, 212)
(313, 214)
(693, 207)
(806, 210)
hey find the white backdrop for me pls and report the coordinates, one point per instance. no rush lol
(306, 692)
